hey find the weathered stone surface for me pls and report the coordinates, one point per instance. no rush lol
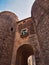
(40, 14)
(7, 35)
(44, 4)
(28, 45)
(15, 49)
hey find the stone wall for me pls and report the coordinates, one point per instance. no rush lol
(31, 39)
(40, 14)
(16, 34)
(20, 39)
(7, 35)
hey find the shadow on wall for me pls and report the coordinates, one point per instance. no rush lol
(23, 54)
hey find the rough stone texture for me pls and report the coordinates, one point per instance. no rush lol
(28, 45)
(15, 49)
(44, 4)
(40, 14)
(7, 35)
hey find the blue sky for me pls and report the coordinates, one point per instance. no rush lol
(22, 8)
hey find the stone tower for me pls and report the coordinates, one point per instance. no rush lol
(40, 15)
(8, 24)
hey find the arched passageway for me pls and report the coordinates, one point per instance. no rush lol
(23, 55)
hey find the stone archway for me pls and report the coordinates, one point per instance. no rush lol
(23, 53)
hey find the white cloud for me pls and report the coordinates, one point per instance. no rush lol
(22, 8)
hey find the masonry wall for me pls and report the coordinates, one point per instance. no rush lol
(7, 35)
(40, 14)
(31, 39)
(14, 44)
(11, 39)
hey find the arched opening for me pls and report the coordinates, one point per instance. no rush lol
(23, 55)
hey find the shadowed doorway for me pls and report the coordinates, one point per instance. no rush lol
(23, 54)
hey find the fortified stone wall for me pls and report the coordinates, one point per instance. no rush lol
(40, 14)
(21, 39)
(18, 40)
(27, 43)
(7, 35)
